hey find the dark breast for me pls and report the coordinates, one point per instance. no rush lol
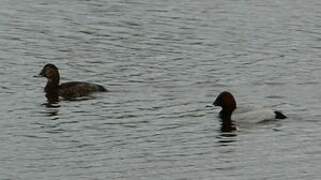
(78, 89)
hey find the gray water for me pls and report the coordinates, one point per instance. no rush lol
(163, 62)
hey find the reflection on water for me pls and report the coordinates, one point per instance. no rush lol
(226, 138)
(53, 111)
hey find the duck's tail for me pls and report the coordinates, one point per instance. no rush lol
(279, 115)
(101, 88)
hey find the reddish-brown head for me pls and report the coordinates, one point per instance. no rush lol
(226, 101)
(50, 71)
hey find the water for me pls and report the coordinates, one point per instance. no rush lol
(163, 62)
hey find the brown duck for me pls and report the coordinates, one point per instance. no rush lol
(68, 90)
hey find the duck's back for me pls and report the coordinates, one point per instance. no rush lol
(250, 114)
(78, 89)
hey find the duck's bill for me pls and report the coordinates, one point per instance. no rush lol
(41, 74)
(38, 76)
(209, 105)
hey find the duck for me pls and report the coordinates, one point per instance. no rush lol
(230, 113)
(67, 90)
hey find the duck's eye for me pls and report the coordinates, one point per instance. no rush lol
(48, 73)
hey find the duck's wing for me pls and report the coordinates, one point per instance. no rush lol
(77, 89)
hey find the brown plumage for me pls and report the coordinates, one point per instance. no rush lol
(66, 90)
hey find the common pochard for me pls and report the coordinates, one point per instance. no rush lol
(231, 114)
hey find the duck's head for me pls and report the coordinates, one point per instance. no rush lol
(225, 100)
(49, 71)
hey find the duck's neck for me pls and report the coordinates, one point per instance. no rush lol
(52, 85)
(227, 123)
